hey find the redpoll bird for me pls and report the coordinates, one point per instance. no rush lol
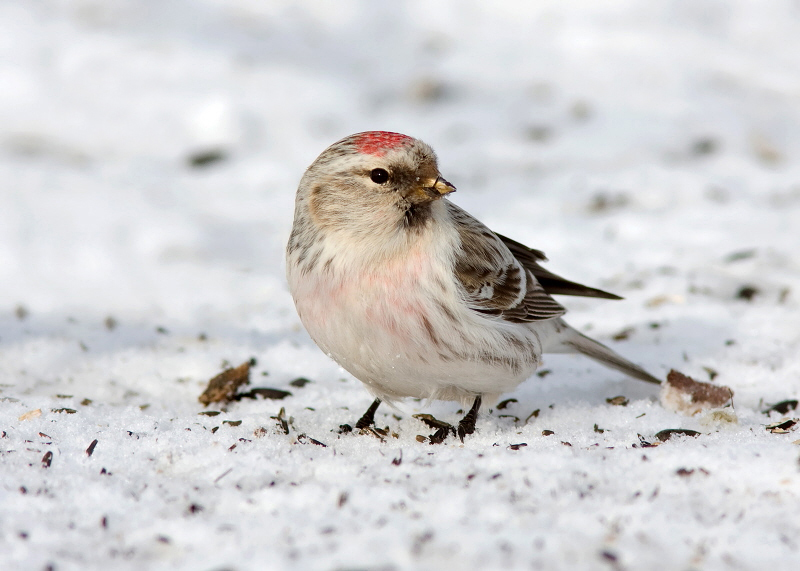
(411, 294)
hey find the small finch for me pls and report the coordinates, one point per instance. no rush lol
(412, 295)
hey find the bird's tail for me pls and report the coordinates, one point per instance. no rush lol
(568, 340)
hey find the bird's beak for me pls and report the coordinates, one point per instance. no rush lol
(443, 187)
(439, 188)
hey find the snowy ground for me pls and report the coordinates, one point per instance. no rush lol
(650, 148)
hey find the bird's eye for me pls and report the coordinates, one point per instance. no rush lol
(379, 176)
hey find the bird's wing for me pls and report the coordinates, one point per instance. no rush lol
(494, 282)
(552, 283)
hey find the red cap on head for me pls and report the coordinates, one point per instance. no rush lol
(377, 143)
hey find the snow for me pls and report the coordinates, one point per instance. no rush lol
(651, 149)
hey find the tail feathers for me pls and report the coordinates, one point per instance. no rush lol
(572, 341)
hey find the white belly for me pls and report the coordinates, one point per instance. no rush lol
(393, 330)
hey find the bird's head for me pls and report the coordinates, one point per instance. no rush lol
(374, 178)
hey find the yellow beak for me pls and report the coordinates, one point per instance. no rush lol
(441, 187)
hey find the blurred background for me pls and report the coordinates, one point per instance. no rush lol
(149, 150)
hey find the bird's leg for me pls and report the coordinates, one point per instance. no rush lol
(467, 424)
(369, 417)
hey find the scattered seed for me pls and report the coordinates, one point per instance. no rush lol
(282, 422)
(517, 446)
(302, 437)
(624, 334)
(704, 146)
(90, 450)
(782, 407)
(782, 426)
(399, 460)
(232, 422)
(263, 392)
(747, 292)
(543, 373)
(547, 432)
(65, 410)
(206, 158)
(345, 429)
(503, 404)
(86, 402)
(609, 556)
(599, 430)
(618, 401)
(667, 434)
(47, 459)
(299, 382)
(644, 443)
(421, 438)
(739, 256)
(110, 323)
(208, 413)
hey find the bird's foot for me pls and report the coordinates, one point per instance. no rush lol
(467, 424)
(368, 419)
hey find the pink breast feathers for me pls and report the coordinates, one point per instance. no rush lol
(377, 143)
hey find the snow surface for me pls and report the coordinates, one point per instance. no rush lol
(650, 148)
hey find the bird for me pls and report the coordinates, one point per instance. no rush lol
(414, 296)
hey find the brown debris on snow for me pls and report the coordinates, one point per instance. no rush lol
(223, 387)
(685, 395)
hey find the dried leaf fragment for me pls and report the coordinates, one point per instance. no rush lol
(687, 396)
(223, 387)
(782, 426)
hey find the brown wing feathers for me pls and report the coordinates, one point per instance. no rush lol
(514, 287)
(552, 283)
